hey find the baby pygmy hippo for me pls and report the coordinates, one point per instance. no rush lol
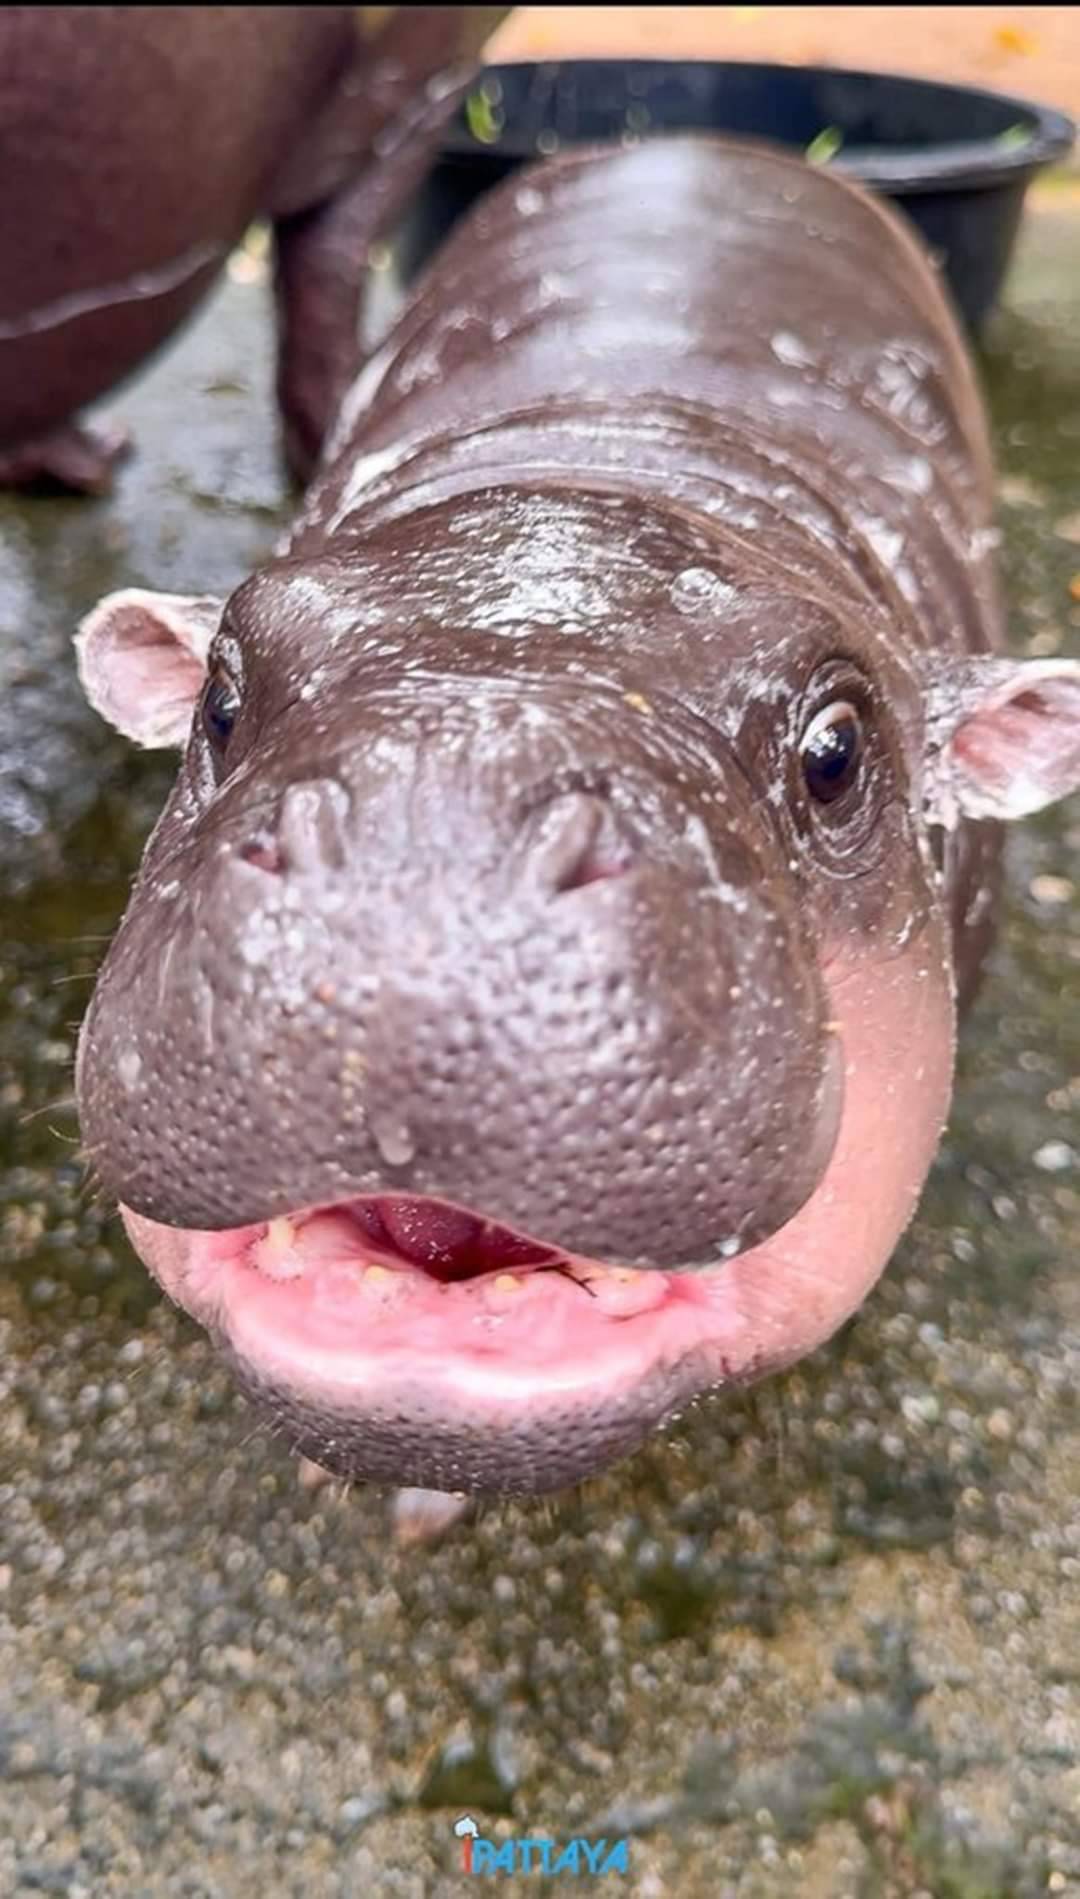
(537, 1003)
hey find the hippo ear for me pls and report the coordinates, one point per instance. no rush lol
(1003, 737)
(142, 660)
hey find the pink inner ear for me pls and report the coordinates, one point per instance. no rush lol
(142, 661)
(143, 664)
(1021, 753)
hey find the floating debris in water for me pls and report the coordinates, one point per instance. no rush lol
(1017, 491)
(1054, 1157)
(1051, 890)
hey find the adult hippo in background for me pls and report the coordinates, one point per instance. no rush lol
(537, 1002)
(137, 143)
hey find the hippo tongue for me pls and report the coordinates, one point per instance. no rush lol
(450, 1244)
(428, 1234)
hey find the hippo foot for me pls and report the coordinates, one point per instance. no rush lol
(75, 458)
(419, 1518)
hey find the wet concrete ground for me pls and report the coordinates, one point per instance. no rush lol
(823, 1639)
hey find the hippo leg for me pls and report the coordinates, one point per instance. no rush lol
(354, 175)
(322, 269)
(73, 456)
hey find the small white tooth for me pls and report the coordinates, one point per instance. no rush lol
(622, 1291)
(383, 1287)
(502, 1292)
(277, 1254)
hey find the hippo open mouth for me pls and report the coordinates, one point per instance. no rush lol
(384, 1313)
(377, 1288)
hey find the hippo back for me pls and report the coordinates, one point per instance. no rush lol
(716, 322)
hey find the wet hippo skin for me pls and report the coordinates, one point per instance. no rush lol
(537, 1002)
(136, 143)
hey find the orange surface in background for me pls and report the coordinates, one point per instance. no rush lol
(1033, 52)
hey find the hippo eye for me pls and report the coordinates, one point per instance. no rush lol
(220, 706)
(831, 750)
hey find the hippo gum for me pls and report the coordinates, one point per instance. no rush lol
(138, 142)
(537, 1002)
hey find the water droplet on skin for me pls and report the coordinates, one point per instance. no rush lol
(696, 587)
(912, 476)
(791, 350)
(393, 1139)
(129, 1068)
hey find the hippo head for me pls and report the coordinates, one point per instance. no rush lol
(536, 1003)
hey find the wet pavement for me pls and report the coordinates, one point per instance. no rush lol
(822, 1639)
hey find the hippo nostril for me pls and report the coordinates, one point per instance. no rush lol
(310, 825)
(579, 841)
(264, 852)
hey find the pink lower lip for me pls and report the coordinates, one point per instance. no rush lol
(347, 1307)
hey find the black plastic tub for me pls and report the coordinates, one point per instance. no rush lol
(956, 159)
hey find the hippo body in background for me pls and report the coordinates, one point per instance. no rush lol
(137, 143)
(537, 1002)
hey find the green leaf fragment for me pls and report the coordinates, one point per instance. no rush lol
(824, 146)
(480, 118)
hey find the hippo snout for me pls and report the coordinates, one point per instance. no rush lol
(575, 839)
(589, 1009)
